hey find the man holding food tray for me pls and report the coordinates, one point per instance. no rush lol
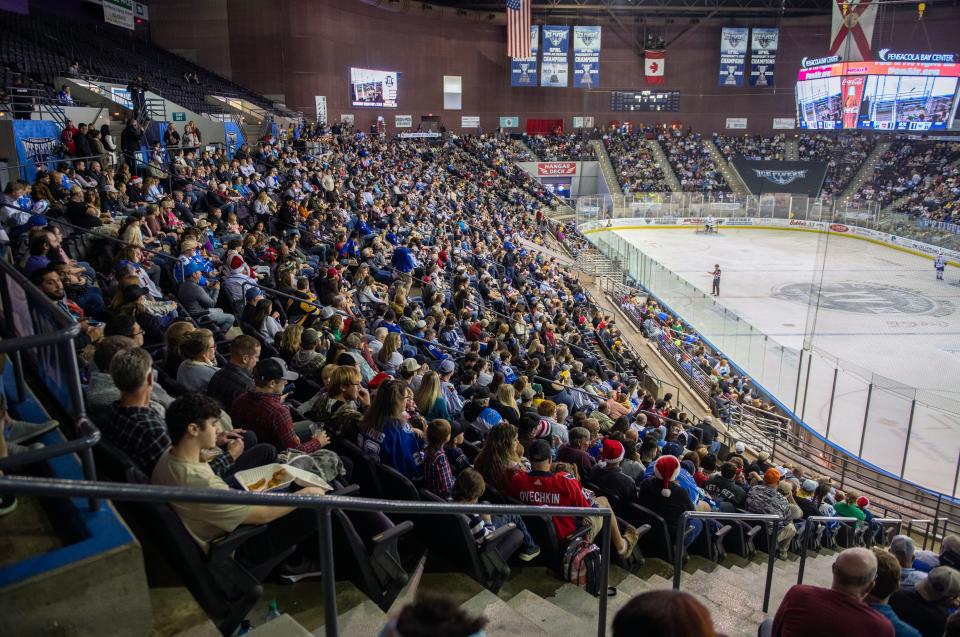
(193, 424)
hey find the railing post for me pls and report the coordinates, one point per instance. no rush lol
(678, 549)
(956, 477)
(325, 533)
(771, 558)
(866, 415)
(605, 535)
(833, 392)
(906, 444)
(804, 540)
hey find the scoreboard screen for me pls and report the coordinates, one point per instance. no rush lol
(651, 101)
(884, 96)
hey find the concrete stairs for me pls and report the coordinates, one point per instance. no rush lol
(606, 167)
(791, 149)
(533, 602)
(524, 145)
(866, 171)
(661, 158)
(726, 169)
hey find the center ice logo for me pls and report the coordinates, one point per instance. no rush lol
(863, 298)
(780, 177)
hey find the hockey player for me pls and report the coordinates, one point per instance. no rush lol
(940, 264)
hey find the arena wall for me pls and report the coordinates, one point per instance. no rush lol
(303, 48)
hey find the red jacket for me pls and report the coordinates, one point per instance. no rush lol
(66, 136)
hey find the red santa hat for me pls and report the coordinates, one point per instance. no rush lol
(236, 263)
(667, 469)
(863, 502)
(612, 451)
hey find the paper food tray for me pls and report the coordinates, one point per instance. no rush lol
(301, 477)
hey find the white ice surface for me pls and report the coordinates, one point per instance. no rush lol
(880, 309)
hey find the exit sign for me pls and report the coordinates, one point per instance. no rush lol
(179, 116)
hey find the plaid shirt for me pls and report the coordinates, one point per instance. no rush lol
(266, 416)
(141, 433)
(437, 476)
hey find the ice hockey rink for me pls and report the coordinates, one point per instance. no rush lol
(875, 308)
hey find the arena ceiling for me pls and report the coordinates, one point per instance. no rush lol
(627, 10)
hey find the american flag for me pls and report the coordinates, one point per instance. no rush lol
(518, 28)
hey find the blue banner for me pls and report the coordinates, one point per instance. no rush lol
(556, 47)
(763, 55)
(233, 137)
(523, 71)
(733, 55)
(37, 142)
(586, 57)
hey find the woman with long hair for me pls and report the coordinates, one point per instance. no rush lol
(199, 351)
(500, 456)
(175, 336)
(263, 320)
(386, 434)
(389, 357)
(429, 398)
(289, 341)
(505, 403)
(664, 613)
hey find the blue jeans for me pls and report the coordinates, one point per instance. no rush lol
(528, 541)
(694, 528)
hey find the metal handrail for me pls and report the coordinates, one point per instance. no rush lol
(805, 537)
(65, 334)
(322, 505)
(773, 531)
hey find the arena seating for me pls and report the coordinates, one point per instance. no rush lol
(561, 147)
(691, 162)
(844, 152)
(44, 46)
(751, 146)
(937, 197)
(634, 164)
(900, 169)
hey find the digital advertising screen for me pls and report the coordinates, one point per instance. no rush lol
(374, 88)
(889, 95)
(559, 187)
(901, 103)
(819, 103)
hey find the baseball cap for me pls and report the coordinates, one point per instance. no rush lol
(771, 476)
(378, 380)
(903, 545)
(326, 312)
(133, 292)
(809, 485)
(409, 365)
(490, 417)
(447, 367)
(309, 336)
(253, 293)
(943, 582)
(191, 268)
(273, 369)
(539, 450)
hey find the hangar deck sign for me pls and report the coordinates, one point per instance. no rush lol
(556, 168)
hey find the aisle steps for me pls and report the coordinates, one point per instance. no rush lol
(661, 158)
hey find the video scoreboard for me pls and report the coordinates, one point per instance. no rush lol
(900, 92)
(647, 100)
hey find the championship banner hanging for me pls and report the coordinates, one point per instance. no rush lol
(733, 55)
(556, 47)
(586, 57)
(523, 71)
(653, 66)
(852, 29)
(763, 55)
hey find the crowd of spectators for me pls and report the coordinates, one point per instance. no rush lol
(691, 162)
(572, 147)
(634, 164)
(936, 196)
(901, 169)
(751, 146)
(844, 152)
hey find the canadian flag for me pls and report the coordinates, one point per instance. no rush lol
(852, 29)
(653, 62)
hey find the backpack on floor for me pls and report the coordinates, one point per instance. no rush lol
(581, 565)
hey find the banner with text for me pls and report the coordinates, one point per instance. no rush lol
(763, 55)
(794, 177)
(586, 57)
(556, 47)
(523, 71)
(37, 143)
(403, 121)
(733, 55)
(321, 103)
(118, 13)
